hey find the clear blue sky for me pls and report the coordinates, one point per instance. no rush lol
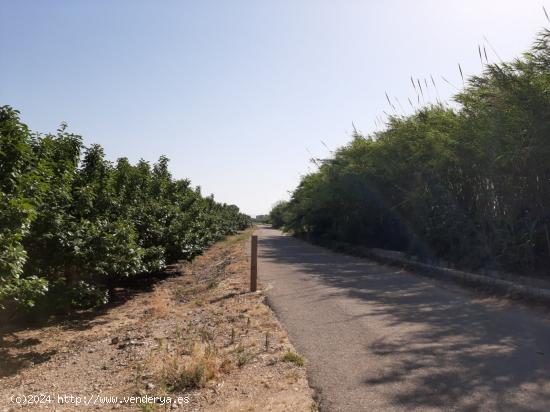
(239, 94)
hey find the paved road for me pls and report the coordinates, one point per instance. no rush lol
(380, 339)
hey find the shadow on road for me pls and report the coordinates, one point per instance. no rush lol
(454, 346)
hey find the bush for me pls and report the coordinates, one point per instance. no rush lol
(470, 185)
(71, 221)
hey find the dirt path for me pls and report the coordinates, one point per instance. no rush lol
(199, 336)
(379, 339)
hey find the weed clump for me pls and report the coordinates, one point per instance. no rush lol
(193, 371)
(294, 358)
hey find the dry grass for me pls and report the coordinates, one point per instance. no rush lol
(180, 372)
(223, 331)
(160, 306)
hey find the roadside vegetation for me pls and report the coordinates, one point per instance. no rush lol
(71, 222)
(294, 358)
(469, 184)
(200, 334)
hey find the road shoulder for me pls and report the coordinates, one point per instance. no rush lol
(199, 336)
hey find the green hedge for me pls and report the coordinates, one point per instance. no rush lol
(71, 221)
(470, 185)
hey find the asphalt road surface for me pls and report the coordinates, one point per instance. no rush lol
(377, 338)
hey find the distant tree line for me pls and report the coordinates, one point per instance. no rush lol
(261, 219)
(71, 221)
(470, 185)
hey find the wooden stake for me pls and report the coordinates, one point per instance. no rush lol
(254, 263)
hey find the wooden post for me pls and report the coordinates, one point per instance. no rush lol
(253, 263)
